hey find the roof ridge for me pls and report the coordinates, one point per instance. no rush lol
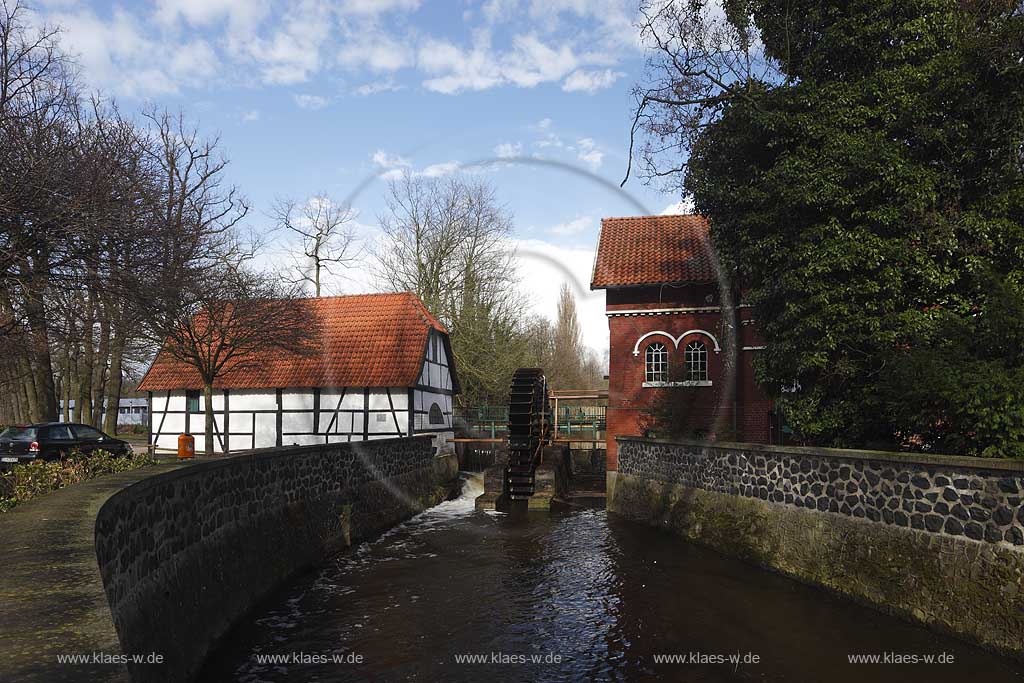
(656, 215)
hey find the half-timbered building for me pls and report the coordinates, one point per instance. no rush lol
(382, 367)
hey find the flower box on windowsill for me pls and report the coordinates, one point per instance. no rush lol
(687, 383)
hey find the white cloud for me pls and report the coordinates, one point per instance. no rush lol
(116, 54)
(251, 115)
(494, 11)
(548, 138)
(573, 227)
(148, 49)
(508, 150)
(311, 101)
(589, 154)
(681, 207)
(386, 160)
(370, 47)
(371, 7)
(241, 14)
(583, 80)
(530, 62)
(376, 87)
(544, 266)
(442, 169)
(292, 53)
(395, 166)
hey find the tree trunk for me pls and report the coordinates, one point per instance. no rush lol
(113, 392)
(99, 371)
(27, 384)
(208, 410)
(733, 342)
(66, 385)
(83, 406)
(38, 340)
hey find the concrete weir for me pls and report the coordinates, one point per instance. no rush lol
(160, 563)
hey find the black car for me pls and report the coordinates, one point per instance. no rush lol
(54, 440)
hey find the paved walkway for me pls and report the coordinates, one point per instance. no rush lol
(51, 594)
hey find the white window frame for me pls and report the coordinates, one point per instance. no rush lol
(696, 358)
(655, 364)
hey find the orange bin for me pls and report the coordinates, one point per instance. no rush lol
(186, 447)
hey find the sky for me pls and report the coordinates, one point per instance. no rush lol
(318, 96)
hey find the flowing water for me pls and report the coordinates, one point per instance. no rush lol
(565, 597)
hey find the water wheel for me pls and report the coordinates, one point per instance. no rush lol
(529, 430)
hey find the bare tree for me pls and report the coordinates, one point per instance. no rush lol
(448, 240)
(568, 354)
(233, 322)
(700, 56)
(326, 236)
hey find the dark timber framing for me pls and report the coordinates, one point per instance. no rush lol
(355, 423)
(280, 417)
(227, 423)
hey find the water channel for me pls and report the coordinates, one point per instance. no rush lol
(564, 597)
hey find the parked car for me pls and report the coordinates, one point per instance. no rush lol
(54, 440)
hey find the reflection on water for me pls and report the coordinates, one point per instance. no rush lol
(566, 597)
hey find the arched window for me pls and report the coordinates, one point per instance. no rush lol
(436, 416)
(656, 363)
(696, 358)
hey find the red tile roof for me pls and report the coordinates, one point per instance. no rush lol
(653, 250)
(367, 340)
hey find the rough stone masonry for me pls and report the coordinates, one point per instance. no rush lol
(184, 555)
(936, 539)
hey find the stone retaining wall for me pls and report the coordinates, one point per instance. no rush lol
(937, 539)
(185, 555)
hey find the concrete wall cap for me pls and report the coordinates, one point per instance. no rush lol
(927, 459)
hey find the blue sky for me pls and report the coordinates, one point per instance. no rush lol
(312, 96)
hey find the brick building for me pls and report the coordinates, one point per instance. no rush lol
(663, 307)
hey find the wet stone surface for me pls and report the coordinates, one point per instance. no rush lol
(976, 503)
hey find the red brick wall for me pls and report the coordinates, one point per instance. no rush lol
(630, 403)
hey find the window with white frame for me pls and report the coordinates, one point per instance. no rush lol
(656, 363)
(696, 358)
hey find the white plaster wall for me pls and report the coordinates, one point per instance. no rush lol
(297, 422)
(329, 399)
(342, 425)
(423, 401)
(241, 423)
(297, 400)
(266, 430)
(347, 426)
(250, 399)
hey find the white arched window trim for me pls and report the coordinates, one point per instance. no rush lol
(676, 340)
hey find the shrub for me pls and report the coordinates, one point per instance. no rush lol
(28, 481)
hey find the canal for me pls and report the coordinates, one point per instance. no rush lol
(565, 597)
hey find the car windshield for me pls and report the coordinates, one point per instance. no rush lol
(18, 434)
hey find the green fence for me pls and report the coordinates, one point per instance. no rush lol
(492, 421)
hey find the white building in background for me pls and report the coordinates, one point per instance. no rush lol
(383, 369)
(130, 411)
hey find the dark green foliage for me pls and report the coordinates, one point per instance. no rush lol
(871, 204)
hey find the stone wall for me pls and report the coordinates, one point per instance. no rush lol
(185, 555)
(937, 539)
